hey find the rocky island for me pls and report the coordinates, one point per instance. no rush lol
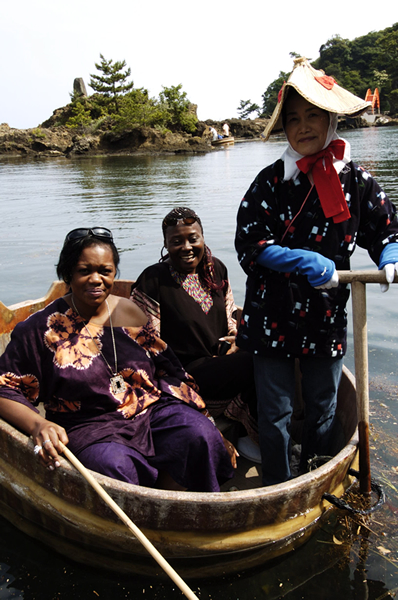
(50, 139)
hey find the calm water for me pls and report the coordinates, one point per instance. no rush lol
(42, 200)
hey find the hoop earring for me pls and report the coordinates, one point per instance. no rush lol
(162, 256)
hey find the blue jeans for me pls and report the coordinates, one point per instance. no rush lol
(275, 385)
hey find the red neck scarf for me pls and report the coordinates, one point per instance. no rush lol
(327, 181)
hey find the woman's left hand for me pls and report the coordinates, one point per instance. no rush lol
(49, 439)
(232, 451)
(231, 339)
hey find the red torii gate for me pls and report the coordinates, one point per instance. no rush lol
(374, 99)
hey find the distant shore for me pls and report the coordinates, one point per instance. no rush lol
(49, 141)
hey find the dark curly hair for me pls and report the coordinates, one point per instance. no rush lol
(206, 266)
(72, 249)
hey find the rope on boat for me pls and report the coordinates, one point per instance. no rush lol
(342, 504)
(313, 463)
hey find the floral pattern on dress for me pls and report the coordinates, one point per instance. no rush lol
(139, 394)
(187, 394)
(147, 338)
(71, 349)
(60, 405)
(27, 384)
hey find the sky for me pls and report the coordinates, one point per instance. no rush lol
(220, 51)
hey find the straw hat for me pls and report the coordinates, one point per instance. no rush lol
(317, 88)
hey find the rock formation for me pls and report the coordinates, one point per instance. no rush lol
(79, 88)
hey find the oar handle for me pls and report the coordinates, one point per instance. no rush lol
(364, 276)
(360, 333)
(358, 281)
(123, 517)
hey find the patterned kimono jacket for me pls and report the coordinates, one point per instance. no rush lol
(283, 315)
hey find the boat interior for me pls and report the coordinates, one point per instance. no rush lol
(248, 474)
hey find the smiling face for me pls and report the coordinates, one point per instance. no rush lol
(306, 126)
(185, 245)
(92, 278)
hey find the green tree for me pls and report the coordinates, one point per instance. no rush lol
(112, 83)
(383, 82)
(368, 61)
(381, 78)
(393, 102)
(388, 46)
(137, 108)
(365, 54)
(178, 109)
(270, 96)
(246, 108)
(81, 115)
(83, 110)
(353, 82)
(335, 55)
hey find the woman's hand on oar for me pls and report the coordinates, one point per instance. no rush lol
(390, 271)
(49, 439)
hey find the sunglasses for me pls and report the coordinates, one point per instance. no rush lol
(100, 232)
(172, 221)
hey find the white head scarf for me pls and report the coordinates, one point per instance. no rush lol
(290, 156)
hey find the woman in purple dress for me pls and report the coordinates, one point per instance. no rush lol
(112, 390)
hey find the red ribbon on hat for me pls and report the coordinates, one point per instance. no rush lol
(327, 181)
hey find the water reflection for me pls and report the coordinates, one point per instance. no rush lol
(376, 149)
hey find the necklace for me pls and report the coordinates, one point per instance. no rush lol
(118, 384)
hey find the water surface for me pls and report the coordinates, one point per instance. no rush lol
(44, 199)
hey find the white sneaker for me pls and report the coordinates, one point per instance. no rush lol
(249, 449)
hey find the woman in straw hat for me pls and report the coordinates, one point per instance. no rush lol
(297, 225)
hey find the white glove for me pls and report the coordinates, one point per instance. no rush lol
(389, 269)
(333, 282)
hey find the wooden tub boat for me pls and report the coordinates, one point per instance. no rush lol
(226, 141)
(200, 534)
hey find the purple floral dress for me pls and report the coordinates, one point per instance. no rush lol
(53, 359)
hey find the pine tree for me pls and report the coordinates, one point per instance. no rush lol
(112, 84)
(246, 108)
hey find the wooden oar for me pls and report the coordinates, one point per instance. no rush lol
(136, 531)
(358, 280)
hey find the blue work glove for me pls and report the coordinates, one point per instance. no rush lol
(389, 264)
(319, 270)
